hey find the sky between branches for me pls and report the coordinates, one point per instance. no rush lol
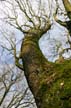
(55, 36)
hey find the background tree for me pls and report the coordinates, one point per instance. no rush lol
(49, 82)
(12, 90)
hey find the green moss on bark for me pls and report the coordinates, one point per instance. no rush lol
(57, 93)
(49, 82)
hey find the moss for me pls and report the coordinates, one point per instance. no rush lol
(58, 93)
(53, 84)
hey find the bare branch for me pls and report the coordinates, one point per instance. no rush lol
(66, 24)
(67, 6)
(22, 8)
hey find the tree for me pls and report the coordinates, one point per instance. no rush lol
(49, 82)
(12, 91)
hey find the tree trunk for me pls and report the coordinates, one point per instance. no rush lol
(49, 82)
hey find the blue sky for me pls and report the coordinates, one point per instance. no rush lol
(46, 44)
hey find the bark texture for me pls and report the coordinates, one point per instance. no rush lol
(67, 6)
(49, 82)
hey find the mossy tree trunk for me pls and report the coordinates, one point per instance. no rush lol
(49, 82)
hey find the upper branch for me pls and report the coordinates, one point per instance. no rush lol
(66, 24)
(23, 9)
(67, 6)
(33, 18)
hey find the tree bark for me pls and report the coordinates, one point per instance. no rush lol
(49, 82)
(67, 6)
